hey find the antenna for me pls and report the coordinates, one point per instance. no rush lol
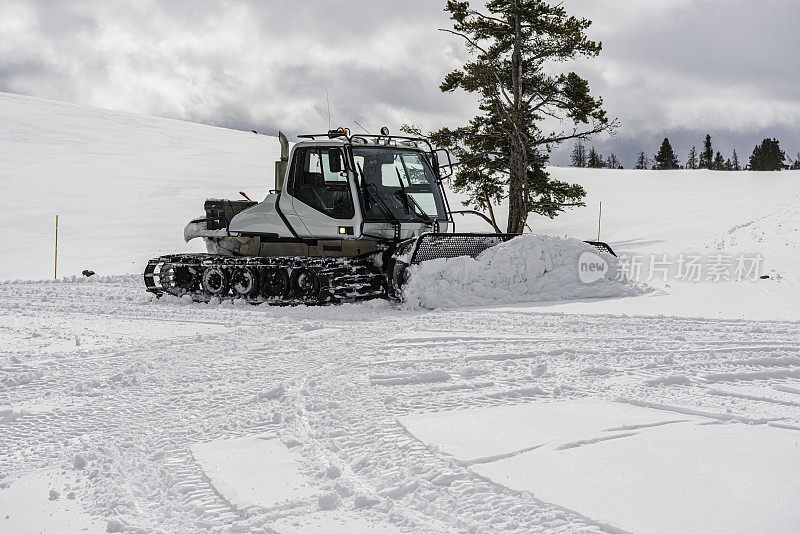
(328, 99)
(359, 124)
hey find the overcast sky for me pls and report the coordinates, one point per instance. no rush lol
(677, 68)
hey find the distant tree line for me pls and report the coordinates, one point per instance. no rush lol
(766, 156)
(593, 159)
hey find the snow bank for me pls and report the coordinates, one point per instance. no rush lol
(529, 268)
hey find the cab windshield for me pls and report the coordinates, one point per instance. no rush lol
(398, 184)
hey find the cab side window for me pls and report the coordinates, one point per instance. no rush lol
(314, 184)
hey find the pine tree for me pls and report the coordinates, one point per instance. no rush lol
(736, 165)
(691, 162)
(505, 148)
(612, 162)
(768, 156)
(595, 160)
(578, 156)
(666, 158)
(796, 164)
(642, 162)
(728, 165)
(707, 155)
(719, 162)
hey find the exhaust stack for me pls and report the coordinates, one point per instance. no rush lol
(281, 166)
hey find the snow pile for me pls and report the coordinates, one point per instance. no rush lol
(529, 268)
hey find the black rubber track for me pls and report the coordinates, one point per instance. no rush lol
(282, 281)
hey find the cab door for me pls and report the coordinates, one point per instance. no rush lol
(323, 192)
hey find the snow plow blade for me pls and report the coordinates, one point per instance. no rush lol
(602, 247)
(433, 246)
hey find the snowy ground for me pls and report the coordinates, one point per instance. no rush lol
(158, 415)
(674, 411)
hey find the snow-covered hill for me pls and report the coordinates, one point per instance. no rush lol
(124, 186)
(674, 411)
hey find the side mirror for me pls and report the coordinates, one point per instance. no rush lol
(335, 160)
(443, 163)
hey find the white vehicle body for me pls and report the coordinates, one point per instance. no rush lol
(377, 192)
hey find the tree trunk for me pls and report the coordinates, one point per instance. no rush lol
(491, 212)
(517, 180)
(517, 213)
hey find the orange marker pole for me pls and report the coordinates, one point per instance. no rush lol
(55, 265)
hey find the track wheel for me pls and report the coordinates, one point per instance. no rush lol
(215, 281)
(305, 284)
(274, 282)
(245, 282)
(185, 277)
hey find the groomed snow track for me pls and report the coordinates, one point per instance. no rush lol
(276, 281)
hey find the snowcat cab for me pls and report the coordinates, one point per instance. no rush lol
(347, 215)
(336, 191)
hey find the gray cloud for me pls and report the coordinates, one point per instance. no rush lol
(685, 68)
(680, 68)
